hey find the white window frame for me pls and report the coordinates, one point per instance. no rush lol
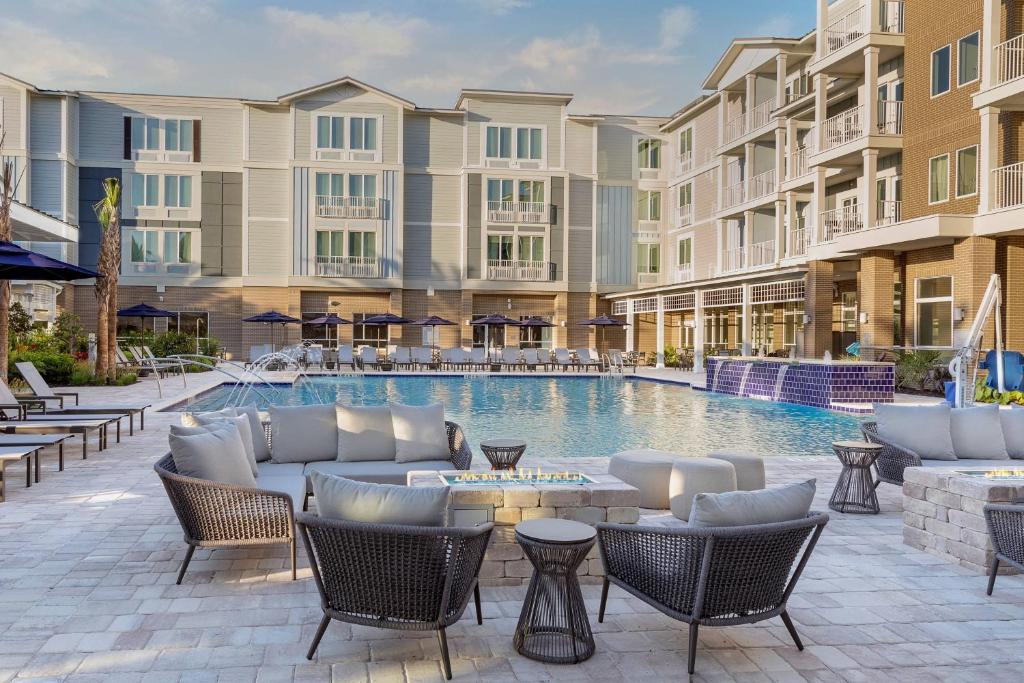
(160, 210)
(661, 206)
(931, 71)
(180, 178)
(514, 160)
(679, 240)
(956, 172)
(661, 152)
(918, 300)
(345, 151)
(161, 267)
(648, 245)
(160, 153)
(648, 173)
(930, 160)
(959, 44)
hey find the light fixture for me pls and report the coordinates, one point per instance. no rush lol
(958, 315)
(430, 291)
(807, 318)
(863, 318)
(510, 304)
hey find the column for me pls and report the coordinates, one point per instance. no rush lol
(818, 309)
(988, 158)
(875, 297)
(698, 331)
(745, 327)
(630, 327)
(870, 99)
(749, 95)
(746, 237)
(817, 227)
(820, 110)
(873, 9)
(780, 228)
(721, 245)
(790, 162)
(868, 190)
(748, 169)
(723, 116)
(780, 157)
(780, 79)
(791, 223)
(659, 333)
(822, 22)
(991, 35)
(723, 181)
(975, 259)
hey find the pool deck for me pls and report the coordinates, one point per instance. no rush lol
(88, 555)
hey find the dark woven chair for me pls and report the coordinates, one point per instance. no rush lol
(710, 576)
(409, 578)
(892, 460)
(1005, 523)
(215, 515)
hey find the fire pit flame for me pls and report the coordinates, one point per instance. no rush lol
(995, 474)
(523, 475)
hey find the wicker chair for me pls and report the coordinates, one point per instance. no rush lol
(1005, 523)
(710, 576)
(409, 578)
(892, 460)
(215, 515)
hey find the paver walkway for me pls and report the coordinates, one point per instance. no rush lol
(88, 560)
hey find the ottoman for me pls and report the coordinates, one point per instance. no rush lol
(749, 469)
(691, 476)
(648, 470)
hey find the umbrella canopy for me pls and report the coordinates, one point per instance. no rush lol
(433, 321)
(386, 319)
(494, 320)
(603, 321)
(535, 322)
(144, 310)
(17, 263)
(331, 319)
(271, 317)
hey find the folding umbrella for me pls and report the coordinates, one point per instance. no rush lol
(143, 311)
(271, 318)
(489, 321)
(18, 263)
(433, 322)
(330, 320)
(385, 319)
(601, 322)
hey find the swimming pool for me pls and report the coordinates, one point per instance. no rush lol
(580, 416)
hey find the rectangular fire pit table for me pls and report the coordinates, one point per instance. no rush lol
(943, 511)
(597, 498)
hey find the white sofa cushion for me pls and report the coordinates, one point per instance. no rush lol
(293, 486)
(924, 430)
(377, 471)
(259, 438)
(355, 501)
(215, 455)
(978, 433)
(1012, 422)
(282, 469)
(740, 508)
(364, 433)
(420, 433)
(244, 430)
(303, 433)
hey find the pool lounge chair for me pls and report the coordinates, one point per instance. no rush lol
(510, 358)
(345, 357)
(70, 424)
(563, 359)
(478, 358)
(368, 357)
(146, 361)
(41, 391)
(423, 357)
(531, 359)
(453, 359)
(315, 356)
(12, 454)
(588, 359)
(40, 440)
(402, 357)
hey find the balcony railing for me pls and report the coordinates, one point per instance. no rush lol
(518, 212)
(761, 254)
(890, 117)
(798, 166)
(684, 162)
(888, 212)
(733, 259)
(761, 114)
(844, 127)
(684, 215)
(1008, 59)
(840, 221)
(890, 18)
(684, 273)
(760, 185)
(798, 239)
(520, 271)
(741, 124)
(736, 127)
(844, 30)
(347, 266)
(1008, 186)
(332, 206)
(734, 194)
(648, 279)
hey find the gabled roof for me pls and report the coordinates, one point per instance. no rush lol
(736, 48)
(345, 80)
(560, 97)
(685, 110)
(18, 81)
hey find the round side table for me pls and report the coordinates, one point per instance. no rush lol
(855, 490)
(503, 454)
(553, 626)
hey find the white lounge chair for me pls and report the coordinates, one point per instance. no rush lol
(315, 356)
(423, 357)
(345, 357)
(368, 357)
(544, 358)
(531, 359)
(402, 357)
(478, 358)
(563, 359)
(588, 359)
(510, 357)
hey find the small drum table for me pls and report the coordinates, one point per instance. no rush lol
(503, 454)
(855, 490)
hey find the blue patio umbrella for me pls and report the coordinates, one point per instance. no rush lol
(601, 322)
(386, 319)
(18, 263)
(489, 321)
(143, 311)
(535, 321)
(271, 318)
(433, 322)
(330, 320)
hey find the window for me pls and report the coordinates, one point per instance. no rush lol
(648, 257)
(967, 59)
(648, 153)
(499, 190)
(168, 252)
(685, 194)
(144, 246)
(649, 205)
(482, 332)
(362, 244)
(686, 142)
(535, 337)
(178, 135)
(499, 248)
(935, 311)
(330, 132)
(684, 252)
(330, 184)
(531, 248)
(369, 335)
(178, 191)
(938, 179)
(145, 133)
(145, 189)
(362, 133)
(316, 333)
(177, 247)
(940, 71)
(499, 142)
(362, 186)
(529, 143)
(967, 171)
(531, 191)
(792, 320)
(330, 243)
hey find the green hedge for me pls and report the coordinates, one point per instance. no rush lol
(56, 368)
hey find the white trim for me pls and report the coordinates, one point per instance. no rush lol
(513, 161)
(931, 71)
(345, 151)
(159, 267)
(956, 172)
(960, 41)
(161, 154)
(931, 300)
(930, 160)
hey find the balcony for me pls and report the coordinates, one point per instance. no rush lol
(890, 117)
(797, 166)
(1008, 60)
(733, 259)
(348, 266)
(840, 221)
(518, 212)
(683, 273)
(761, 254)
(748, 121)
(733, 194)
(520, 271)
(684, 162)
(333, 206)
(761, 185)
(684, 215)
(799, 237)
(1008, 186)
(845, 30)
(846, 126)
(888, 213)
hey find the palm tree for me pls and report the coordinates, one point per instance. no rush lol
(6, 230)
(108, 211)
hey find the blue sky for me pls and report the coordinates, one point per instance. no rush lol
(644, 56)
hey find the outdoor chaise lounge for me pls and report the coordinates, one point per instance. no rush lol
(68, 424)
(41, 440)
(368, 357)
(423, 357)
(12, 454)
(1005, 522)
(402, 357)
(510, 358)
(588, 359)
(531, 358)
(563, 359)
(41, 391)
(345, 357)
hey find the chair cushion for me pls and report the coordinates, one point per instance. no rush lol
(364, 433)
(355, 501)
(281, 469)
(1012, 422)
(377, 471)
(740, 508)
(259, 434)
(215, 455)
(925, 430)
(294, 487)
(420, 433)
(749, 468)
(244, 430)
(648, 470)
(978, 433)
(303, 433)
(691, 476)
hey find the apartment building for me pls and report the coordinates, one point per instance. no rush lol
(859, 183)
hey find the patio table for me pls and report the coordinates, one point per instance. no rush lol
(503, 454)
(855, 489)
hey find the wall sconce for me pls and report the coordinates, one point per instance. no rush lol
(864, 318)
(807, 318)
(510, 304)
(958, 315)
(430, 291)
(562, 323)
(467, 322)
(690, 323)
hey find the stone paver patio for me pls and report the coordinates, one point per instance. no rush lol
(88, 559)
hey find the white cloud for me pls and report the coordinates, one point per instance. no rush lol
(498, 6)
(362, 33)
(675, 24)
(780, 26)
(566, 55)
(42, 58)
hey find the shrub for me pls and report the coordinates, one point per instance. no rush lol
(921, 370)
(56, 368)
(671, 357)
(68, 334)
(209, 347)
(172, 343)
(19, 323)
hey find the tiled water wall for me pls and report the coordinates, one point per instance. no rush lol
(819, 384)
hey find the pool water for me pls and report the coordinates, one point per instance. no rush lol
(579, 416)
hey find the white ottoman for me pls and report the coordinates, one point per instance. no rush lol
(749, 469)
(691, 476)
(648, 470)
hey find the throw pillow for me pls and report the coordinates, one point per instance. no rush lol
(244, 430)
(214, 455)
(364, 433)
(303, 433)
(259, 434)
(356, 501)
(978, 433)
(924, 430)
(739, 508)
(420, 433)
(1012, 422)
